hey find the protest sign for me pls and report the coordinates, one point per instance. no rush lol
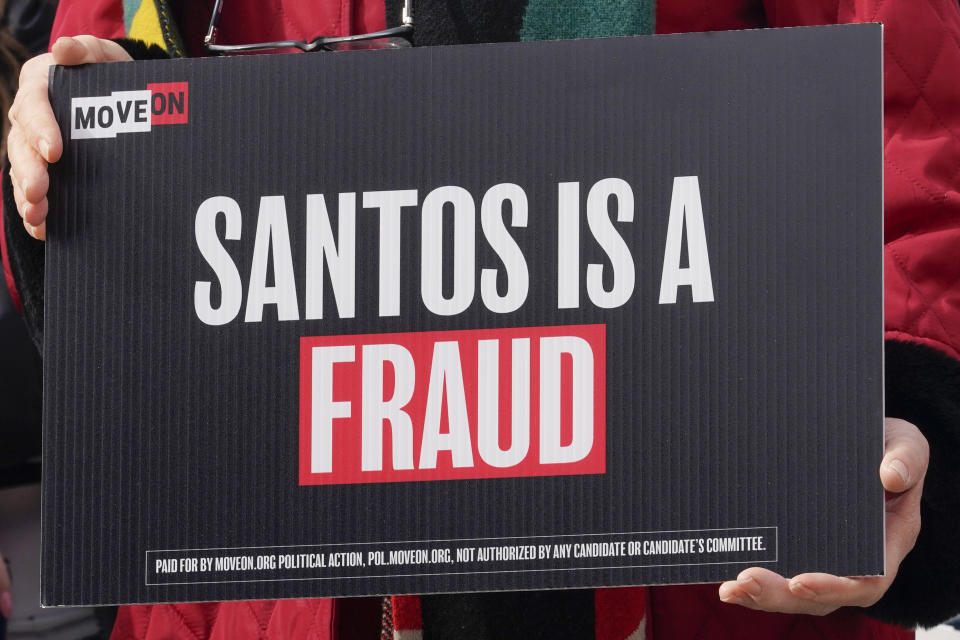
(517, 316)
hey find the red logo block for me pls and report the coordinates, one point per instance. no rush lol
(169, 102)
(445, 405)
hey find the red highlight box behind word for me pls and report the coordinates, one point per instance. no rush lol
(169, 102)
(561, 359)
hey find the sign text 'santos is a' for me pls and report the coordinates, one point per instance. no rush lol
(502, 207)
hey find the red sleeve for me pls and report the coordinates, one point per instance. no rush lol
(101, 18)
(921, 169)
(921, 157)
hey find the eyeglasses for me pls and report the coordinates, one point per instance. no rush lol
(394, 37)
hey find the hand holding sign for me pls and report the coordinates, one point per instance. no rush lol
(902, 472)
(34, 139)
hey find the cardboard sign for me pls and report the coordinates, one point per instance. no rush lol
(517, 316)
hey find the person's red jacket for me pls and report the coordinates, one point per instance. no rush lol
(922, 320)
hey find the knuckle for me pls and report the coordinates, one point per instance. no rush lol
(29, 122)
(36, 123)
(21, 162)
(91, 43)
(13, 141)
(97, 49)
(26, 100)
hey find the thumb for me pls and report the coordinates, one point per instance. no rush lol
(905, 458)
(87, 49)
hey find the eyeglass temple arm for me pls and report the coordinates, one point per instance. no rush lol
(214, 21)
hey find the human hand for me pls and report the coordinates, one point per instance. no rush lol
(6, 601)
(34, 140)
(906, 454)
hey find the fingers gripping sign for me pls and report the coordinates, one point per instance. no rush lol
(34, 140)
(906, 455)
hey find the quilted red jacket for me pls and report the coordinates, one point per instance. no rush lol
(922, 307)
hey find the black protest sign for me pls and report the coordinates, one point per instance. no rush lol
(519, 316)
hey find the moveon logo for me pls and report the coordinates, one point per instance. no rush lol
(129, 111)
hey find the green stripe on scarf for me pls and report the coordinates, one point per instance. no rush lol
(129, 10)
(565, 19)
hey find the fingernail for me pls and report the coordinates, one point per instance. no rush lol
(731, 599)
(45, 149)
(748, 584)
(897, 465)
(6, 605)
(799, 589)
